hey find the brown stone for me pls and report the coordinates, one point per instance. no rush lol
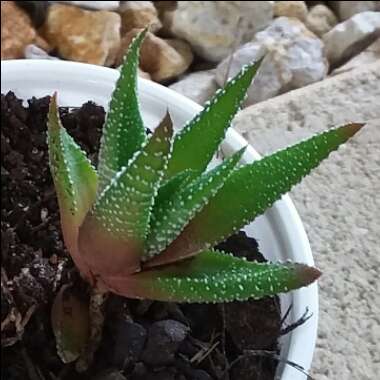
(139, 14)
(84, 36)
(162, 59)
(17, 31)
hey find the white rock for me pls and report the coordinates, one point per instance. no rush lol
(35, 52)
(297, 9)
(351, 36)
(320, 20)
(198, 86)
(369, 55)
(294, 58)
(213, 27)
(101, 5)
(347, 9)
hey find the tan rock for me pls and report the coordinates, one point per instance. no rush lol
(183, 48)
(139, 14)
(320, 20)
(296, 9)
(17, 31)
(42, 43)
(84, 36)
(162, 59)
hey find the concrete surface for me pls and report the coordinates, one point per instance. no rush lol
(339, 205)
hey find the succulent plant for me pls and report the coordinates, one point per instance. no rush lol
(144, 224)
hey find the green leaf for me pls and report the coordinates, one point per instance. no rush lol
(112, 236)
(214, 277)
(196, 143)
(169, 219)
(252, 189)
(123, 132)
(172, 185)
(70, 322)
(74, 178)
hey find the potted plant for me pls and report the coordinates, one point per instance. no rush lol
(163, 249)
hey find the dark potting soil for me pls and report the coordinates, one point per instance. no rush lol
(142, 340)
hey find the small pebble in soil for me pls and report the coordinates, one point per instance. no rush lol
(164, 338)
(128, 342)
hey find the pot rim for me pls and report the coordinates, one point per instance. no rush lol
(44, 73)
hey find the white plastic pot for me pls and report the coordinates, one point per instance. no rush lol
(279, 231)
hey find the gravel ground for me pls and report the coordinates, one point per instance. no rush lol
(339, 206)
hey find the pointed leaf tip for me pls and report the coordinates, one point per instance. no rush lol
(253, 188)
(351, 129)
(307, 275)
(195, 145)
(167, 123)
(53, 115)
(123, 131)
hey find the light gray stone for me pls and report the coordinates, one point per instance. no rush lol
(294, 58)
(351, 36)
(35, 52)
(320, 19)
(213, 27)
(369, 55)
(100, 5)
(198, 86)
(347, 9)
(338, 204)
